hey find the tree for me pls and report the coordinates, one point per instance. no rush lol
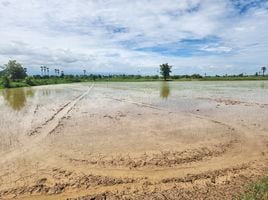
(41, 70)
(15, 70)
(62, 74)
(165, 70)
(263, 70)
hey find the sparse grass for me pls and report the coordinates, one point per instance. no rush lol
(257, 190)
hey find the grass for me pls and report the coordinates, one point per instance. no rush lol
(257, 190)
(35, 81)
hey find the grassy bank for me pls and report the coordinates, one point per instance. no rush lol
(37, 80)
(257, 190)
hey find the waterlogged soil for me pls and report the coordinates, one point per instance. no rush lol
(175, 140)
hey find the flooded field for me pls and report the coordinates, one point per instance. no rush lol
(152, 140)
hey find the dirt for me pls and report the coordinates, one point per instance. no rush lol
(111, 142)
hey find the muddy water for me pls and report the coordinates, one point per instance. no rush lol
(83, 139)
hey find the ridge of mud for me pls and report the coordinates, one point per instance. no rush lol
(163, 159)
(235, 102)
(63, 180)
(220, 184)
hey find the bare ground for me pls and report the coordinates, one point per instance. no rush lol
(109, 144)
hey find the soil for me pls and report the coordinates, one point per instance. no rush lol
(121, 141)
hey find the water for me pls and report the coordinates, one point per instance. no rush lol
(24, 109)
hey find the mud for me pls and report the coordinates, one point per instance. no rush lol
(133, 141)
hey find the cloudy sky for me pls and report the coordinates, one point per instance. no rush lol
(123, 36)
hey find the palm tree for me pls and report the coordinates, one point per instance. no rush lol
(263, 70)
(41, 70)
(84, 72)
(47, 71)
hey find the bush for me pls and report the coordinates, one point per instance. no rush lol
(29, 80)
(6, 82)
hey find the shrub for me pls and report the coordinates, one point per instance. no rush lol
(29, 80)
(6, 82)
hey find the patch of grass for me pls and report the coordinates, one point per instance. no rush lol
(257, 190)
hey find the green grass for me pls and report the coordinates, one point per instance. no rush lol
(73, 79)
(257, 190)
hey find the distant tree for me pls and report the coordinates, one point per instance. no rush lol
(84, 71)
(15, 70)
(256, 74)
(165, 70)
(45, 70)
(62, 74)
(263, 70)
(41, 70)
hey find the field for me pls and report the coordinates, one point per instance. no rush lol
(133, 140)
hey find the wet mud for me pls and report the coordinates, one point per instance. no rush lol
(133, 141)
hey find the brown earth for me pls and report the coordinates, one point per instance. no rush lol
(108, 142)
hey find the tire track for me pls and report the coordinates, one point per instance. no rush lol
(48, 127)
(52, 123)
(244, 140)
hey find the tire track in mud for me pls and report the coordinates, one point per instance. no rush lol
(244, 142)
(48, 127)
(53, 122)
(166, 110)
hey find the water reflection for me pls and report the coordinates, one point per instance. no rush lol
(17, 98)
(164, 90)
(263, 85)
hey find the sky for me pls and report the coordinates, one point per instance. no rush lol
(135, 37)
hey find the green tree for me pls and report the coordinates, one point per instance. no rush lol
(165, 70)
(263, 70)
(15, 70)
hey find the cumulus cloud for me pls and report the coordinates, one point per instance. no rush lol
(117, 36)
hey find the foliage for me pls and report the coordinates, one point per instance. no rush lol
(165, 70)
(6, 82)
(15, 70)
(29, 81)
(257, 191)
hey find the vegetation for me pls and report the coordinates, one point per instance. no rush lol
(6, 82)
(14, 75)
(257, 191)
(15, 70)
(165, 70)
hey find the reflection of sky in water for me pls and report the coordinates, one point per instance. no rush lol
(17, 98)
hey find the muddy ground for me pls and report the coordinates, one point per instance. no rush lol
(133, 140)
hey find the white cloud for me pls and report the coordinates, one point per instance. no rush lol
(104, 35)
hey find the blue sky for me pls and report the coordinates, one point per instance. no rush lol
(120, 36)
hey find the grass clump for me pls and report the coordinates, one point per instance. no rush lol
(257, 190)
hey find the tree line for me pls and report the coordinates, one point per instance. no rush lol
(15, 75)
